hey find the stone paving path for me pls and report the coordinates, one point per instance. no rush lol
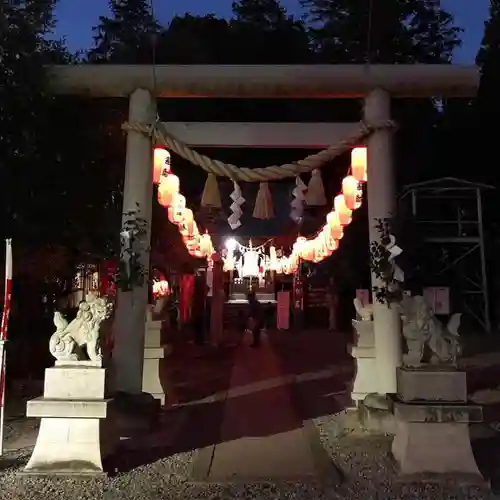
(263, 434)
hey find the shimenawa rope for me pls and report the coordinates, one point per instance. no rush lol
(272, 173)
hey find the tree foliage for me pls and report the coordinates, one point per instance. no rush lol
(265, 33)
(26, 145)
(126, 35)
(72, 149)
(488, 59)
(393, 31)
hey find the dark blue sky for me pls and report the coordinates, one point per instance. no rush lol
(76, 18)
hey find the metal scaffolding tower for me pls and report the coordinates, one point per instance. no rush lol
(449, 215)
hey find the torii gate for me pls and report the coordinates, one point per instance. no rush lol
(376, 84)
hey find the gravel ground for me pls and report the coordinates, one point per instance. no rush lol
(364, 460)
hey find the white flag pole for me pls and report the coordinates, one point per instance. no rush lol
(3, 333)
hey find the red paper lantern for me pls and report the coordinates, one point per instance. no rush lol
(161, 163)
(176, 209)
(359, 163)
(350, 191)
(168, 188)
(333, 221)
(345, 214)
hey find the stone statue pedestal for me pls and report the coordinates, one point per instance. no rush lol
(73, 437)
(432, 383)
(154, 352)
(432, 424)
(365, 380)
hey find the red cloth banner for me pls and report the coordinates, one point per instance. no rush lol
(218, 299)
(283, 311)
(298, 294)
(186, 291)
(107, 285)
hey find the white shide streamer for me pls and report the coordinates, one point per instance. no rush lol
(299, 196)
(394, 251)
(234, 219)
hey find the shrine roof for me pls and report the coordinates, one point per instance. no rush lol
(446, 183)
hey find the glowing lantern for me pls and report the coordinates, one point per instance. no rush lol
(279, 266)
(350, 191)
(327, 240)
(333, 221)
(319, 254)
(160, 288)
(331, 244)
(272, 252)
(273, 259)
(176, 209)
(206, 246)
(298, 246)
(286, 266)
(168, 188)
(307, 251)
(195, 252)
(164, 197)
(341, 208)
(192, 245)
(359, 163)
(229, 263)
(161, 164)
(250, 263)
(188, 221)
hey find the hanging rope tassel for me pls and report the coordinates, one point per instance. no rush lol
(315, 196)
(263, 203)
(211, 194)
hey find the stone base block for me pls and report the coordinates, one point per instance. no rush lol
(74, 433)
(434, 448)
(151, 382)
(152, 337)
(74, 382)
(438, 413)
(432, 384)
(365, 336)
(365, 380)
(70, 446)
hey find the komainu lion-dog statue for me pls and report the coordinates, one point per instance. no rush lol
(79, 340)
(421, 328)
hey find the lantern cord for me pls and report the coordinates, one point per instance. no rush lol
(271, 173)
(260, 247)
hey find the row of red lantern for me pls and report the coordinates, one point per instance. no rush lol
(313, 250)
(327, 240)
(198, 245)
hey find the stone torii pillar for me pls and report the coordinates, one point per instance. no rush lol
(130, 317)
(381, 189)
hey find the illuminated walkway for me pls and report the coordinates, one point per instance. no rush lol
(264, 432)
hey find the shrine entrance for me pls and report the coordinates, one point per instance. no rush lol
(376, 85)
(270, 396)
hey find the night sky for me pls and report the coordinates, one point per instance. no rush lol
(75, 23)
